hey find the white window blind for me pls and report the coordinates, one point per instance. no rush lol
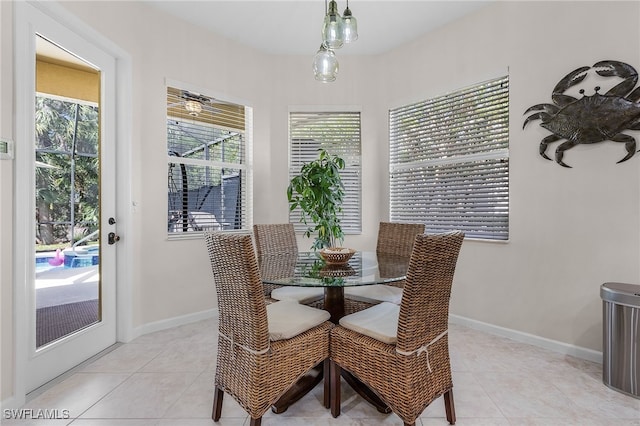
(449, 162)
(207, 170)
(339, 134)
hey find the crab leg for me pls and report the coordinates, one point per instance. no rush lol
(618, 69)
(629, 144)
(570, 80)
(561, 149)
(545, 143)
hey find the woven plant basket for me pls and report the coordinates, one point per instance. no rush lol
(336, 255)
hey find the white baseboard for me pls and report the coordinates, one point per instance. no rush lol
(519, 336)
(173, 322)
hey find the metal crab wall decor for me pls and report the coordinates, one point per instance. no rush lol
(591, 119)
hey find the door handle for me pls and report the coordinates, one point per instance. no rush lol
(112, 238)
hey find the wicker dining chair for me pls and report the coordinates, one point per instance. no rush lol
(402, 352)
(262, 350)
(397, 238)
(394, 240)
(277, 241)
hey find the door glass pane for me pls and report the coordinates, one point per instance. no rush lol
(67, 279)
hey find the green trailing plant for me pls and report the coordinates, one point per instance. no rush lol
(318, 192)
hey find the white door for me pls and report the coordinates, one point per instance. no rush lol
(39, 362)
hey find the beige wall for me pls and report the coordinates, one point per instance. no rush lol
(571, 229)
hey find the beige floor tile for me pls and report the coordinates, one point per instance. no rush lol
(115, 422)
(127, 358)
(78, 392)
(470, 400)
(143, 395)
(462, 421)
(34, 422)
(181, 357)
(166, 379)
(197, 402)
(527, 395)
(224, 421)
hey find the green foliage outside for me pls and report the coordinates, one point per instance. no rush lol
(66, 149)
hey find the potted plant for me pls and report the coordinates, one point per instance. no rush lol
(318, 192)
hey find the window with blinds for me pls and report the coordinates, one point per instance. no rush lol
(339, 134)
(207, 170)
(449, 162)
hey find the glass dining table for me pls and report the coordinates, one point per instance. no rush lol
(308, 269)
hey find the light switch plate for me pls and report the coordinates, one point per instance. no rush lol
(6, 149)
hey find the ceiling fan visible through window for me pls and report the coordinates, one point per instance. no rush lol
(180, 102)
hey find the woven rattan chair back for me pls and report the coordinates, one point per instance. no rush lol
(415, 371)
(277, 238)
(424, 311)
(241, 304)
(278, 242)
(397, 238)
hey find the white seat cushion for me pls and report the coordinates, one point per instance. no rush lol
(375, 293)
(287, 319)
(379, 321)
(298, 294)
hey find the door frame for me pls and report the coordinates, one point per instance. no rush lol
(29, 17)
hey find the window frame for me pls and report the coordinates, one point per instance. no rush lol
(447, 175)
(353, 167)
(245, 167)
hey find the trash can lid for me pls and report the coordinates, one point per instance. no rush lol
(621, 293)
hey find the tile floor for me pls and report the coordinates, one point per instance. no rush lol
(165, 379)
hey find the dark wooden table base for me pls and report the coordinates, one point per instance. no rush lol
(334, 304)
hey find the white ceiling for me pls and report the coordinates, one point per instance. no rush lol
(293, 27)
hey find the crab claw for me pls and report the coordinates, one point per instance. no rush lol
(548, 108)
(618, 69)
(537, 116)
(570, 80)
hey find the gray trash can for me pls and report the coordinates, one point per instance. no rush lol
(621, 333)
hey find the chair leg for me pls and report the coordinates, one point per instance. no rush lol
(218, 394)
(335, 388)
(449, 407)
(326, 368)
(255, 422)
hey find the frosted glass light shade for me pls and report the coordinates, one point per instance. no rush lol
(193, 107)
(349, 26)
(332, 31)
(325, 65)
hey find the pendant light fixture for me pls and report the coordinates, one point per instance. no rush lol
(332, 32)
(336, 31)
(325, 65)
(349, 26)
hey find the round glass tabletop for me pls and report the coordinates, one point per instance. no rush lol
(307, 269)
